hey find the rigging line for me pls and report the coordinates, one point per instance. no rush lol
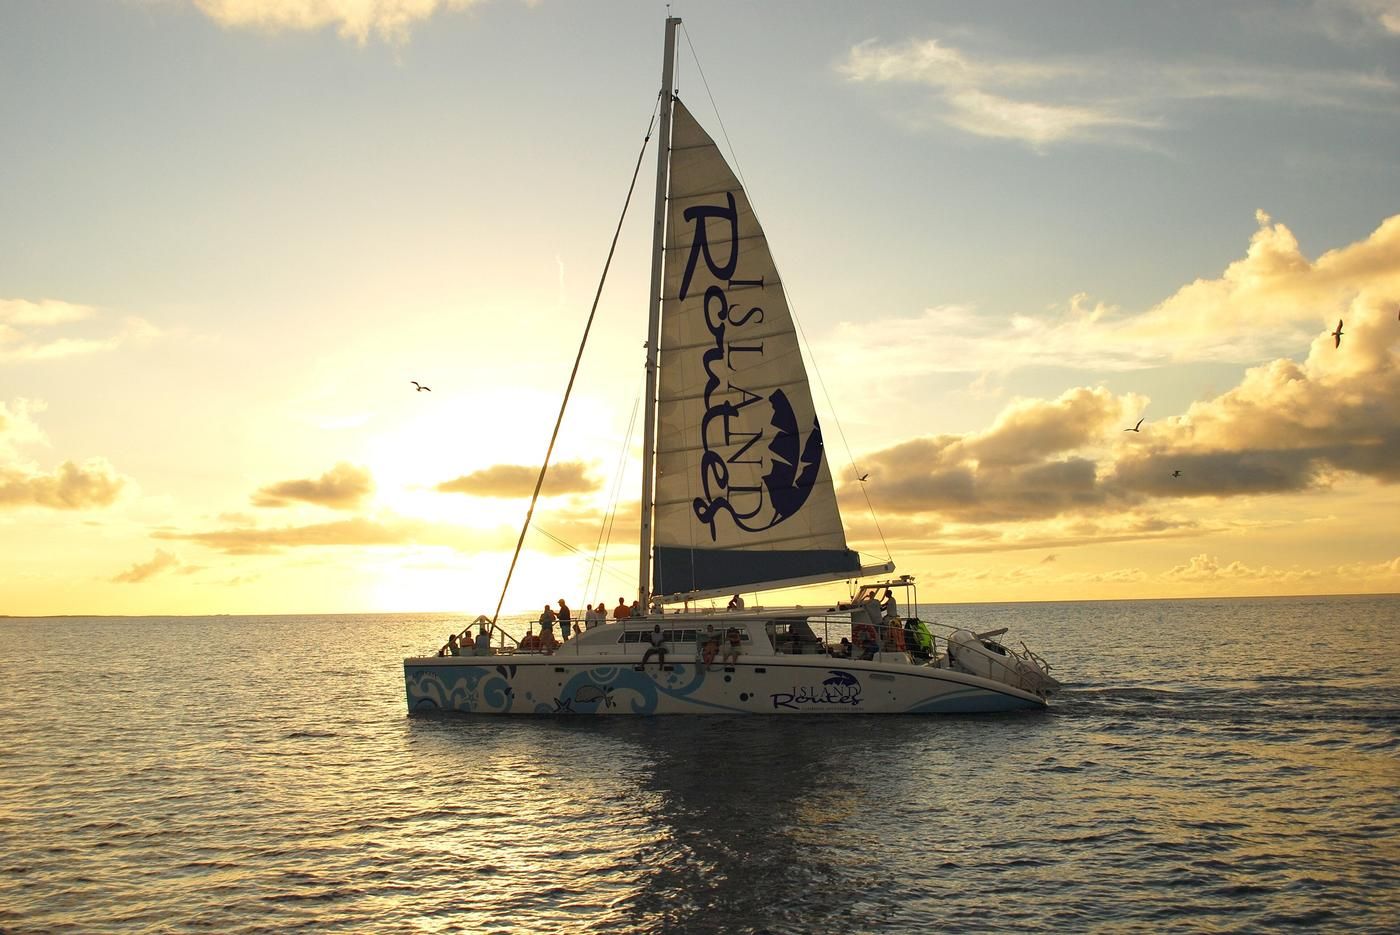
(578, 358)
(734, 157)
(600, 550)
(840, 430)
(575, 550)
(572, 548)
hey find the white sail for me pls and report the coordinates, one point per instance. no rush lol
(744, 496)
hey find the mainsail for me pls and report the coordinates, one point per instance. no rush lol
(743, 494)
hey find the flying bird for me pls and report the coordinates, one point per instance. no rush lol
(1136, 428)
(1337, 335)
(862, 477)
(1176, 473)
(420, 386)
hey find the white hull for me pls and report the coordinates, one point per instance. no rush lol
(782, 684)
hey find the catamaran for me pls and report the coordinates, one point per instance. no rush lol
(737, 496)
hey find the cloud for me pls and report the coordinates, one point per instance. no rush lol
(514, 480)
(1049, 101)
(1373, 14)
(1207, 568)
(161, 561)
(343, 487)
(1025, 466)
(1269, 303)
(70, 486)
(349, 532)
(390, 20)
(21, 320)
(43, 314)
(18, 427)
(1287, 427)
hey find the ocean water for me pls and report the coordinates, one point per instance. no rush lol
(1213, 765)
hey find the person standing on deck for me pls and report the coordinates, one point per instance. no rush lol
(547, 629)
(621, 611)
(894, 633)
(566, 621)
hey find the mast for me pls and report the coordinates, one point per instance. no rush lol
(658, 237)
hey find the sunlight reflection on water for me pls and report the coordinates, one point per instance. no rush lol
(1226, 764)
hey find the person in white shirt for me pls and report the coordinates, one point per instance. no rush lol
(657, 647)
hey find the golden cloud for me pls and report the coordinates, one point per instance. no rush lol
(252, 540)
(71, 486)
(515, 480)
(1267, 304)
(21, 318)
(391, 20)
(161, 561)
(343, 487)
(1286, 427)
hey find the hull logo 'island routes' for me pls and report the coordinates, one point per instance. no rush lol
(755, 499)
(841, 688)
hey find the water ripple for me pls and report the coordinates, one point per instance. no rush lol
(1247, 784)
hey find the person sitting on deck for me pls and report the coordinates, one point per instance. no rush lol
(736, 602)
(451, 649)
(707, 645)
(483, 642)
(657, 647)
(530, 643)
(732, 650)
(844, 650)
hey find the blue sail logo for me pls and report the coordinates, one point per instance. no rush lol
(735, 484)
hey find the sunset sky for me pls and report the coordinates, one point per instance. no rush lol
(233, 231)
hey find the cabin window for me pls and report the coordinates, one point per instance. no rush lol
(676, 636)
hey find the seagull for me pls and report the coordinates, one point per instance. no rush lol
(420, 386)
(1136, 428)
(1176, 473)
(1338, 333)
